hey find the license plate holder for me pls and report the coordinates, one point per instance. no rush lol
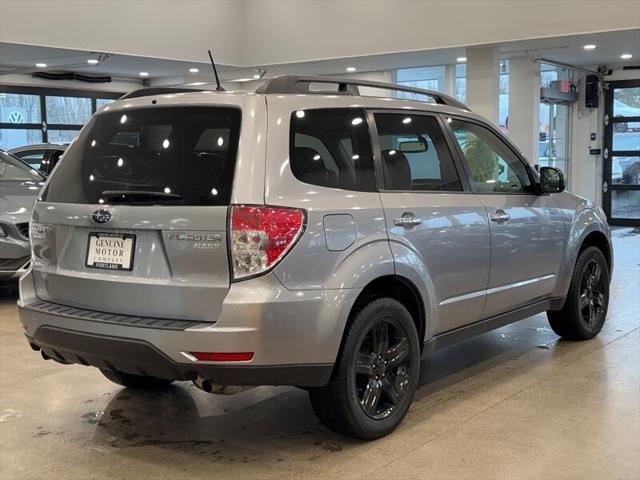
(110, 251)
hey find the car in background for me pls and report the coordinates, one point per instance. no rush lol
(19, 187)
(626, 170)
(41, 156)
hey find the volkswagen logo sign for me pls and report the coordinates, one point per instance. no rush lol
(101, 215)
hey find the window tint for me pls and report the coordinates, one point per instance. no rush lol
(494, 166)
(151, 156)
(34, 158)
(415, 155)
(332, 148)
(13, 170)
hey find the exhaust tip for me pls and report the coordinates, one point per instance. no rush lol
(44, 355)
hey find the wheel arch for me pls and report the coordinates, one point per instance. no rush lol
(399, 288)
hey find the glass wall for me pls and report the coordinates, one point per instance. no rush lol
(33, 115)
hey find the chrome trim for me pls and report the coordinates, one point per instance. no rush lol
(520, 284)
(479, 293)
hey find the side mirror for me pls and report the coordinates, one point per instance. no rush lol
(551, 180)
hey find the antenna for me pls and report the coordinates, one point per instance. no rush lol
(213, 64)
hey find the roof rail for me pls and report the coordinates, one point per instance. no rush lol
(146, 92)
(301, 84)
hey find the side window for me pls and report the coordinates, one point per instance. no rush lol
(34, 158)
(332, 148)
(415, 155)
(494, 167)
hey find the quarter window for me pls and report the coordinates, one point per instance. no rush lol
(415, 155)
(494, 167)
(332, 148)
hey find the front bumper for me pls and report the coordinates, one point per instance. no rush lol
(294, 335)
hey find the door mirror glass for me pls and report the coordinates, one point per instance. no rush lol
(551, 179)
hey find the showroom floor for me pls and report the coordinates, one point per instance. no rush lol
(514, 403)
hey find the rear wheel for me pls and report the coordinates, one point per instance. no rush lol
(585, 309)
(376, 374)
(139, 382)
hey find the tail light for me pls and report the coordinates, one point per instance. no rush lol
(261, 236)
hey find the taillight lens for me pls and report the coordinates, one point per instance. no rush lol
(261, 236)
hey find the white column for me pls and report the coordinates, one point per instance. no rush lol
(449, 80)
(524, 106)
(483, 87)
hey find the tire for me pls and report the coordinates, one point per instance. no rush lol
(376, 374)
(139, 382)
(585, 308)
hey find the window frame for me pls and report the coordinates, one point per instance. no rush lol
(533, 177)
(42, 93)
(377, 152)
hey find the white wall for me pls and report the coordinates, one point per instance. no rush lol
(261, 32)
(282, 31)
(182, 29)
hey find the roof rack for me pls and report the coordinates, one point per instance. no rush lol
(301, 84)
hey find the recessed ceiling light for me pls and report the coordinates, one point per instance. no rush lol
(626, 56)
(144, 74)
(41, 65)
(351, 69)
(93, 61)
(589, 47)
(461, 59)
(257, 76)
(194, 70)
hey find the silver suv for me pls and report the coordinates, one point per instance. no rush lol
(301, 235)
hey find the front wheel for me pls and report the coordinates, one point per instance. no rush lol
(585, 308)
(376, 374)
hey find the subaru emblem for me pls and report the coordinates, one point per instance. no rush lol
(101, 215)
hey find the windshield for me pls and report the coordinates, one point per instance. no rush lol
(14, 170)
(151, 156)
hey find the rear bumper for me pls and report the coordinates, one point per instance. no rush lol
(294, 335)
(142, 358)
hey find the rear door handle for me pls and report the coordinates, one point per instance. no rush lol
(500, 216)
(407, 220)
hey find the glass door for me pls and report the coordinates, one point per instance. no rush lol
(621, 183)
(553, 143)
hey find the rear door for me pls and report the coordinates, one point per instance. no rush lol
(527, 229)
(134, 220)
(431, 213)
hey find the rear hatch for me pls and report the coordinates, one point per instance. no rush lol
(133, 220)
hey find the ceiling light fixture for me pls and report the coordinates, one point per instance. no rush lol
(461, 59)
(93, 61)
(194, 70)
(257, 76)
(144, 74)
(41, 65)
(351, 69)
(589, 47)
(626, 56)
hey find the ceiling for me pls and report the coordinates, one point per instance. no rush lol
(21, 58)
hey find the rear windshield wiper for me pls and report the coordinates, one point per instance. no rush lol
(139, 196)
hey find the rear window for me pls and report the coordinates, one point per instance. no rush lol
(151, 156)
(332, 148)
